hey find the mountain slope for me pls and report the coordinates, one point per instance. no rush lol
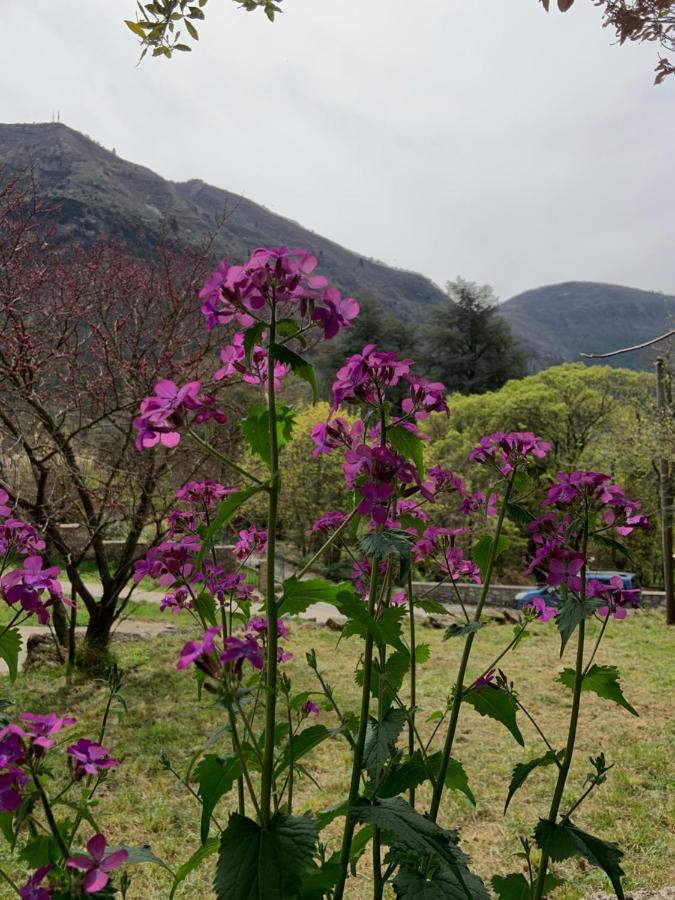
(559, 321)
(101, 194)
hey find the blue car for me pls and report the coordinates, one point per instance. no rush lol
(552, 594)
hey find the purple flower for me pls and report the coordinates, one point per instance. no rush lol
(328, 522)
(250, 541)
(259, 626)
(618, 597)
(12, 747)
(199, 651)
(31, 890)
(486, 680)
(564, 568)
(310, 709)
(97, 865)
(10, 783)
(4, 509)
(90, 758)
(162, 414)
(543, 612)
(506, 450)
(240, 650)
(39, 728)
(26, 585)
(335, 312)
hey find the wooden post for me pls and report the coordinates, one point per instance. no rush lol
(665, 497)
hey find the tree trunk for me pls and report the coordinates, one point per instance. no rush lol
(60, 623)
(94, 654)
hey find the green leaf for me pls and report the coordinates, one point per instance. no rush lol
(386, 630)
(516, 887)
(457, 630)
(215, 776)
(566, 840)
(408, 445)
(223, 514)
(10, 647)
(298, 595)
(422, 653)
(404, 776)
(326, 816)
(381, 738)
(302, 743)
(603, 681)
(300, 366)
(42, 851)
(317, 882)
(612, 543)
(204, 604)
(497, 704)
(136, 27)
(396, 668)
(483, 548)
(139, 855)
(456, 779)
(7, 827)
(431, 606)
(384, 544)
(256, 429)
(252, 336)
(444, 884)
(518, 514)
(522, 770)
(197, 858)
(570, 614)
(192, 31)
(257, 864)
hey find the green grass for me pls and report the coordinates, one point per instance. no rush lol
(141, 802)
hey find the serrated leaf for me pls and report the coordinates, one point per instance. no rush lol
(257, 864)
(381, 738)
(457, 630)
(482, 549)
(317, 882)
(565, 840)
(10, 647)
(197, 858)
(298, 595)
(422, 653)
(42, 851)
(205, 605)
(519, 514)
(570, 614)
(404, 776)
(326, 816)
(497, 704)
(431, 606)
(223, 514)
(386, 630)
(251, 336)
(302, 743)
(456, 779)
(516, 887)
(396, 668)
(256, 429)
(300, 366)
(444, 884)
(383, 544)
(603, 681)
(215, 776)
(407, 445)
(522, 770)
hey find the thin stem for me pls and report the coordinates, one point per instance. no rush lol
(49, 815)
(224, 459)
(468, 643)
(413, 680)
(331, 699)
(597, 643)
(270, 598)
(537, 728)
(242, 761)
(193, 792)
(594, 783)
(291, 759)
(501, 656)
(360, 740)
(459, 599)
(338, 531)
(563, 772)
(9, 881)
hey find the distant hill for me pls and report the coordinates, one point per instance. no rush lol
(101, 194)
(559, 321)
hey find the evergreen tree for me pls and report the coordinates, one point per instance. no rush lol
(468, 345)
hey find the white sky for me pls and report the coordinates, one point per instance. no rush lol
(480, 138)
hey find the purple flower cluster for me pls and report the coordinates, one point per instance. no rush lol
(506, 450)
(251, 540)
(276, 277)
(163, 414)
(573, 489)
(96, 865)
(220, 656)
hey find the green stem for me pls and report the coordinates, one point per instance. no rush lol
(357, 761)
(270, 598)
(413, 680)
(49, 815)
(328, 693)
(466, 653)
(331, 540)
(563, 772)
(9, 881)
(597, 643)
(537, 728)
(501, 656)
(224, 459)
(242, 761)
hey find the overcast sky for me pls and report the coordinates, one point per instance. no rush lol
(453, 137)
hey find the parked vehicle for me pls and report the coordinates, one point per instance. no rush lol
(553, 597)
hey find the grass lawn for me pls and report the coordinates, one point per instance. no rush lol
(142, 803)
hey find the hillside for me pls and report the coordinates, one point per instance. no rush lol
(561, 320)
(100, 194)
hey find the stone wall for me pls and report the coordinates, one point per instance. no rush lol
(503, 594)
